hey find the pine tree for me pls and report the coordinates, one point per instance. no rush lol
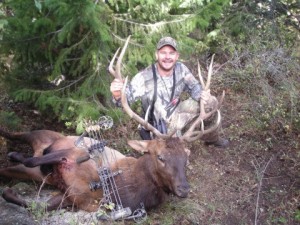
(59, 39)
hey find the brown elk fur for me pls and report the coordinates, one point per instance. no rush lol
(146, 180)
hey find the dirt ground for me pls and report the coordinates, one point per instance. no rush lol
(253, 181)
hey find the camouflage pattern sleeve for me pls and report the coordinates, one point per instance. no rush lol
(140, 87)
(192, 84)
(136, 89)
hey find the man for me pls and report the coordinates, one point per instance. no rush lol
(159, 87)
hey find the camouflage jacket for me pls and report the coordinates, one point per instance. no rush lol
(142, 87)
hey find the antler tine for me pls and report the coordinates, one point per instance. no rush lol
(136, 117)
(119, 61)
(200, 76)
(202, 110)
(209, 73)
(206, 86)
(203, 114)
(117, 72)
(111, 64)
(192, 135)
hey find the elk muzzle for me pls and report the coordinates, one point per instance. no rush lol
(182, 190)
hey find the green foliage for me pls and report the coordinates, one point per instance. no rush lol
(297, 215)
(75, 40)
(189, 22)
(245, 20)
(38, 210)
(245, 16)
(267, 74)
(10, 120)
(262, 63)
(53, 38)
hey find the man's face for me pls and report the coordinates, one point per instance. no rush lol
(166, 57)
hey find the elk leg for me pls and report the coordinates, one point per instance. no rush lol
(51, 158)
(58, 202)
(11, 196)
(38, 139)
(16, 157)
(22, 172)
(29, 169)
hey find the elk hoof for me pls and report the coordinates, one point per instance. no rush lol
(12, 197)
(15, 157)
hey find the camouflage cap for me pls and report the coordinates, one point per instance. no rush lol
(166, 41)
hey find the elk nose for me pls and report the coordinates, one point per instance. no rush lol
(183, 190)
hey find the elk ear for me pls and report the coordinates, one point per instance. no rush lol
(140, 146)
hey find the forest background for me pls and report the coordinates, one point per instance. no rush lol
(55, 53)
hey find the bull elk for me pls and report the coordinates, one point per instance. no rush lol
(145, 180)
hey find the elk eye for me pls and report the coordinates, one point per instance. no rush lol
(160, 158)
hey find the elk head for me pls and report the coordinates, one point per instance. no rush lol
(169, 159)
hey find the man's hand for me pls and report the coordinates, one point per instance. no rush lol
(116, 87)
(205, 96)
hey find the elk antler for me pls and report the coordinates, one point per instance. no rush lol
(205, 87)
(191, 134)
(117, 73)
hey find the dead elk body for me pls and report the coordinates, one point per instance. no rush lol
(147, 180)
